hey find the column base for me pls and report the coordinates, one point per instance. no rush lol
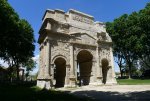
(99, 81)
(111, 82)
(72, 81)
(47, 77)
(45, 84)
(95, 84)
(70, 86)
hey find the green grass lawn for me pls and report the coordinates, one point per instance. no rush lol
(20, 93)
(133, 81)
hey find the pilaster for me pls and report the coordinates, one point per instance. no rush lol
(72, 69)
(47, 56)
(67, 76)
(99, 68)
(112, 67)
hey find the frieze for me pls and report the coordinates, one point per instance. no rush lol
(82, 19)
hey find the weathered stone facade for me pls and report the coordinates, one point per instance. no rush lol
(74, 50)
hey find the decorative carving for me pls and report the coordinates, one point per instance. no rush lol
(70, 34)
(64, 28)
(82, 19)
(105, 53)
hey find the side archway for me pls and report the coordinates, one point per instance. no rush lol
(59, 72)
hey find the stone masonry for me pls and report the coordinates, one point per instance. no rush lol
(74, 51)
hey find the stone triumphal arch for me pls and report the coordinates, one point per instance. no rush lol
(74, 51)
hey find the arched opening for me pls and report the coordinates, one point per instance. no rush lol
(105, 64)
(60, 72)
(84, 62)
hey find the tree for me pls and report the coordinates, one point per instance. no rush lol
(127, 44)
(17, 39)
(117, 33)
(145, 27)
(131, 34)
(29, 65)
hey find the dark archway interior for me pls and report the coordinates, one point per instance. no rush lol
(84, 60)
(60, 72)
(105, 64)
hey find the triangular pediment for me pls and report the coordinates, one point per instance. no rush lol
(83, 34)
(84, 38)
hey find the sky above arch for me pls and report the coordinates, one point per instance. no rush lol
(102, 10)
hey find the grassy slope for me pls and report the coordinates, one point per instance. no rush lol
(18, 93)
(133, 82)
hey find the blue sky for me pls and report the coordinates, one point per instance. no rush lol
(102, 10)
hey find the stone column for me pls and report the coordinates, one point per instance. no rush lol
(67, 76)
(112, 66)
(52, 75)
(40, 64)
(92, 77)
(72, 69)
(99, 69)
(47, 56)
(75, 68)
(47, 78)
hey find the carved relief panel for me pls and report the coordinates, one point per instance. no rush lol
(60, 48)
(105, 54)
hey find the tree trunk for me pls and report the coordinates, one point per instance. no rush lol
(18, 78)
(130, 74)
(120, 67)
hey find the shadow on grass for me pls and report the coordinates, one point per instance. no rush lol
(26, 93)
(114, 96)
(22, 93)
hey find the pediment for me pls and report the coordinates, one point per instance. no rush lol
(84, 38)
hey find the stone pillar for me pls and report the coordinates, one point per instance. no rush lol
(52, 75)
(99, 69)
(92, 76)
(67, 76)
(72, 69)
(48, 82)
(41, 79)
(112, 67)
(75, 68)
(40, 64)
(47, 56)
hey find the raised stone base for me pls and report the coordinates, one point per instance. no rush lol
(111, 82)
(47, 84)
(70, 86)
(95, 83)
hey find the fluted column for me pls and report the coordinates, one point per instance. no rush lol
(40, 76)
(47, 56)
(99, 69)
(72, 69)
(112, 66)
(72, 61)
(92, 76)
(67, 75)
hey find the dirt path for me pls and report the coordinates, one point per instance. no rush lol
(113, 93)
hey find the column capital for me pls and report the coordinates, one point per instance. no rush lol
(52, 65)
(68, 66)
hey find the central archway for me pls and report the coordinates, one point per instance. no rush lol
(60, 72)
(84, 62)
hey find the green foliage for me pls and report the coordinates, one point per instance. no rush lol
(131, 34)
(16, 37)
(29, 65)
